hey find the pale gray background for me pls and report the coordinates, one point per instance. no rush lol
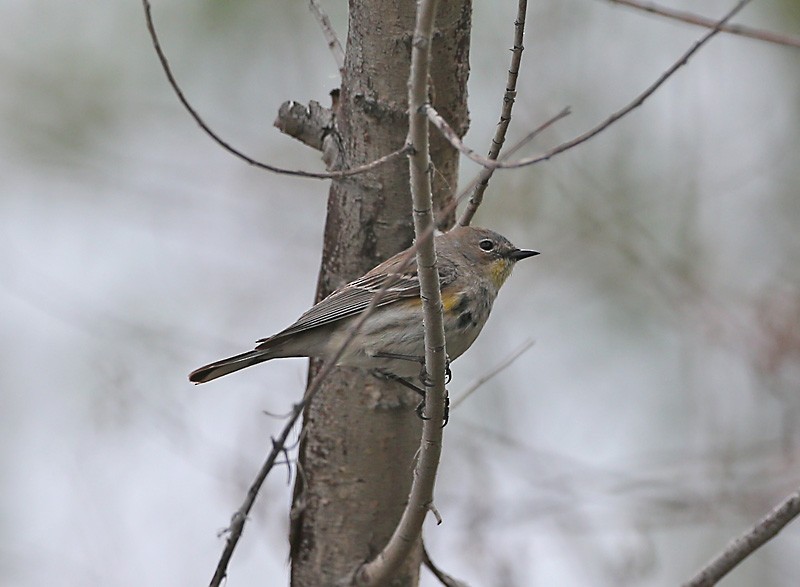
(655, 417)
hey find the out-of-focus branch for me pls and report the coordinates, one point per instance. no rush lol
(233, 150)
(450, 135)
(492, 372)
(696, 19)
(379, 570)
(330, 35)
(746, 544)
(443, 577)
(505, 113)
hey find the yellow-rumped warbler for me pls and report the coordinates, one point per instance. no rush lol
(473, 264)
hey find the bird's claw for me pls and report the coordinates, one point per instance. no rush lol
(427, 380)
(446, 416)
(420, 410)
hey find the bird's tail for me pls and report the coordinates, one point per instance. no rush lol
(229, 365)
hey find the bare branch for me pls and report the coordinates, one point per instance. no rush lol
(489, 164)
(452, 136)
(420, 500)
(746, 544)
(492, 372)
(233, 150)
(696, 19)
(505, 113)
(330, 36)
(443, 577)
(239, 518)
(635, 103)
(468, 189)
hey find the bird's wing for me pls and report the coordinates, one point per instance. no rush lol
(354, 297)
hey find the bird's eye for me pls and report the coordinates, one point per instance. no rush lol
(486, 244)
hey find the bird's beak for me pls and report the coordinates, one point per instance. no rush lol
(518, 254)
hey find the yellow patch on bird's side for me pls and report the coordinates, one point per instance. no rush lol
(499, 271)
(449, 301)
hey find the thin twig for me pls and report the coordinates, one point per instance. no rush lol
(380, 569)
(746, 544)
(696, 19)
(443, 577)
(240, 516)
(492, 372)
(635, 103)
(505, 114)
(473, 183)
(233, 150)
(330, 35)
(452, 137)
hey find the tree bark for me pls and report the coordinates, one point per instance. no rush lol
(360, 434)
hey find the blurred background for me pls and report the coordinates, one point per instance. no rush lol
(655, 417)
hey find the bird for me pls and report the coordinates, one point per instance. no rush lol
(473, 263)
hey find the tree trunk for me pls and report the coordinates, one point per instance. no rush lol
(360, 434)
